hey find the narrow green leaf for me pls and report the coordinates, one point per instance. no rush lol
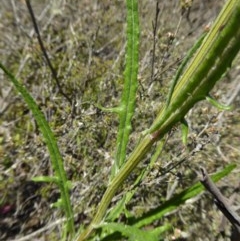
(46, 179)
(130, 84)
(133, 233)
(185, 128)
(178, 200)
(217, 104)
(115, 234)
(58, 204)
(55, 155)
(117, 110)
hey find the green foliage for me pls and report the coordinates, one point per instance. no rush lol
(120, 206)
(133, 231)
(189, 55)
(57, 162)
(217, 104)
(178, 199)
(205, 69)
(135, 234)
(184, 125)
(197, 75)
(127, 105)
(198, 79)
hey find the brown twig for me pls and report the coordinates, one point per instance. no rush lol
(154, 26)
(221, 202)
(52, 69)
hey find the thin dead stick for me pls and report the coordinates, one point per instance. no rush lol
(224, 219)
(154, 25)
(221, 202)
(41, 230)
(53, 71)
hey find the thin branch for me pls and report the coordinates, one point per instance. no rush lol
(52, 69)
(154, 25)
(221, 202)
(41, 230)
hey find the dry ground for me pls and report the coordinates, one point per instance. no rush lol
(85, 41)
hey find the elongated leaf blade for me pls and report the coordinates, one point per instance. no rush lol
(178, 199)
(130, 84)
(55, 155)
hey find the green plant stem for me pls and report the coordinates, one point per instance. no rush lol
(117, 181)
(212, 59)
(183, 65)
